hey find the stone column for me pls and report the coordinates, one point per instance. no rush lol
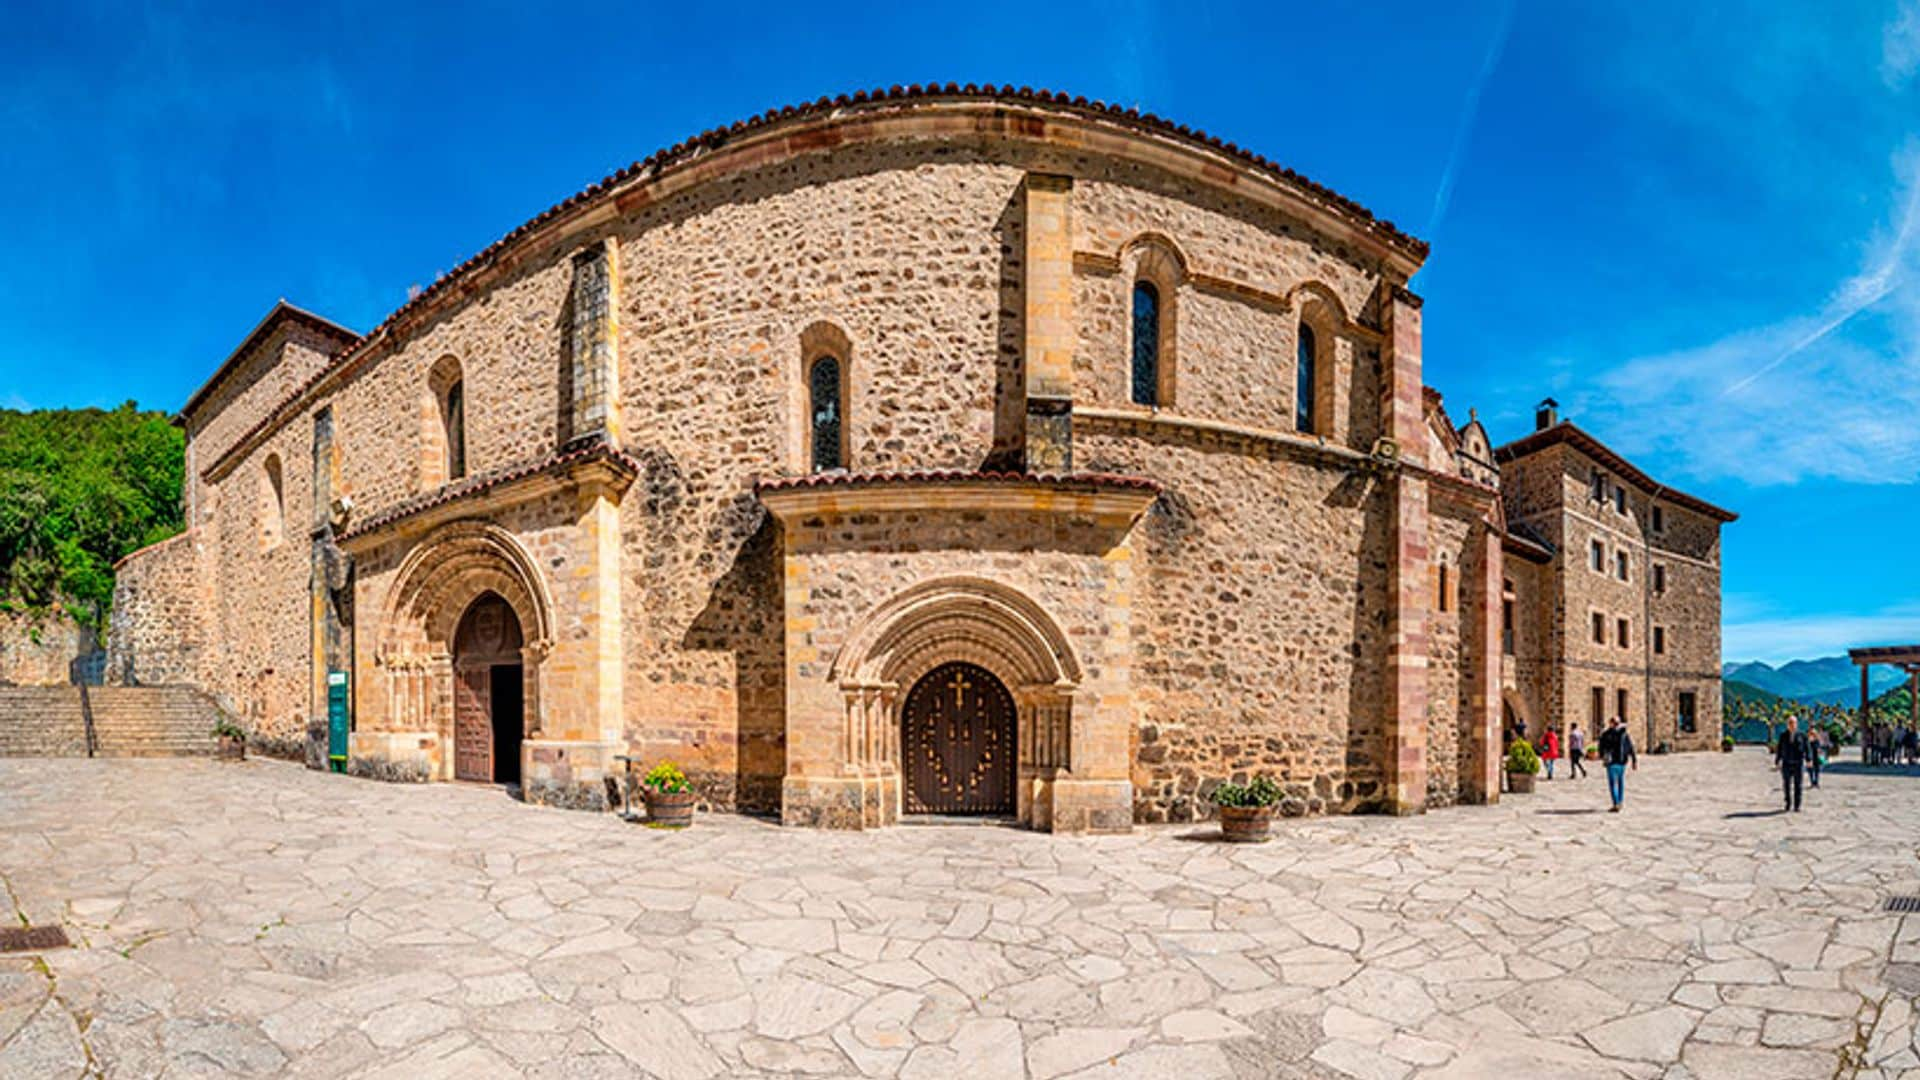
(1403, 413)
(595, 345)
(1049, 322)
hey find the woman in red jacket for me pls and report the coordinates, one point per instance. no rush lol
(1550, 750)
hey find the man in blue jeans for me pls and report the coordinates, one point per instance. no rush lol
(1616, 753)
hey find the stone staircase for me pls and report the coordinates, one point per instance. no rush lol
(42, 721)
(128, 721)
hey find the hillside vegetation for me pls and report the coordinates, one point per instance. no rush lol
(79, 488)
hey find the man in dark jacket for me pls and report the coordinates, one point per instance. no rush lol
(1791, 755)
(1616, 753)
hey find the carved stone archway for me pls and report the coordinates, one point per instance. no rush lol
(976, 621)
(435, 585)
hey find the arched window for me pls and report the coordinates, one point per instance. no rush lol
(1146, 344)
(1303, 380)
(273, 503)
(443, 425)
(453, 420)
(824, 420)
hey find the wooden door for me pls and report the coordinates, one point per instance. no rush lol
(957, 743)
(472, 726)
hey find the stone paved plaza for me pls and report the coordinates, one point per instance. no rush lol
(259, 919)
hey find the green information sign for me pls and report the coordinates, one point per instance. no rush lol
(337, 721)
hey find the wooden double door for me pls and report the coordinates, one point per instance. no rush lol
(488, 719)
(957, 743)
(489, 693)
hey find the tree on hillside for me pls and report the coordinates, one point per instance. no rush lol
(79, 489)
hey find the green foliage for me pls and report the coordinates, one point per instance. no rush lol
(1262, 792)
(1726, 742)
(80, 489)
(1522, 759)
(667, 779)
(227, 729)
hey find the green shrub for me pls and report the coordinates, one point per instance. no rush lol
(1522, 759)
(1262, 792)
(667, 779)
(1726, 742)
(227, 729)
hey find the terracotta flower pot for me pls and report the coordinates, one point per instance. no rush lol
(1520, 783)
(670, 809)
(230, 747)
(1245, 824)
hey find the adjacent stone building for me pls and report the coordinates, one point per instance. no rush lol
(1612, 604)
(933, 451)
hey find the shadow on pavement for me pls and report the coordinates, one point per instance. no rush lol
(1753, 813)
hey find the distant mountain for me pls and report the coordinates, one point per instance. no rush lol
(1830, 680)
(1735, 690)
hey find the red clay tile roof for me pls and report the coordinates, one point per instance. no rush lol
(955, 476)
(474, 485)
(1567, 432)
(281, 312)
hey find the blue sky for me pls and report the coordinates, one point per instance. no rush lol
(1697, 226)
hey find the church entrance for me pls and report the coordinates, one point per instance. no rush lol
(957, 743)
(489, 716)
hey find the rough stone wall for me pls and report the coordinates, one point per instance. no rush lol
(1449, 626)
(39, 648)
(158, 632)
(1259, 631)
(1233, 354)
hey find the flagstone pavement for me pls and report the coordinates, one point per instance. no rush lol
(259, 919)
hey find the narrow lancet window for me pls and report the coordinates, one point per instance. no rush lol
(455, 418)
(1146, 344)
(824, 414)
(1303, 419)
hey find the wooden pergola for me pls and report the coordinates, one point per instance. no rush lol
(1904, 657)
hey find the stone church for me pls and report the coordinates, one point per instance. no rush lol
(933, 451)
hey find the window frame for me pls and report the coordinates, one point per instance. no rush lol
(1152, 342)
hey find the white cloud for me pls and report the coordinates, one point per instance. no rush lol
(1801, 637)
(1900, 45)
(1826, 393)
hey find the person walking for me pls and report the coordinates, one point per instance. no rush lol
(1816, 751)
(1550, 750)
(1616, 753)
(1576, 752)
(1790, 754)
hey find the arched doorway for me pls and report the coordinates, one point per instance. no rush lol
(489, 693)
(957, 743)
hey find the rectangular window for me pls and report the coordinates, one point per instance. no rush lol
(1599, 629)
(1620, 703)
(1659, 579)
(1599, 486)
(1660, 640)
(1621, 626)
(1506, 626)
(1620, 565)
(1689, 706)
(1598, 708)
(1599, 553)
(1619, 499)
(1659, 520)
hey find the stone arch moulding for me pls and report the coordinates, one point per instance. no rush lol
(434, 585)
(979, 621)
(1154, 259)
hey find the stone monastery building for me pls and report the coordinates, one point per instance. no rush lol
(931, 451)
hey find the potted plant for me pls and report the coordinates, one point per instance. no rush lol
(669, 797)
(231, 740)
(1726, 744)
(1522, 765)
(1246, 810)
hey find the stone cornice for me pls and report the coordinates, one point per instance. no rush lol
(1096, 495)
(594, 464)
